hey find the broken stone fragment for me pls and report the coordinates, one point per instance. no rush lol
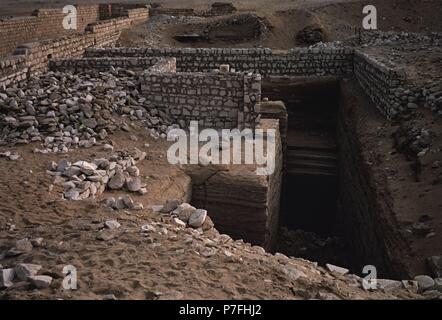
(23, 245)
(197, 218)
(41, 282)
(208, 224)
(137, 206)
(108, 234)
(184, 211)
(6, 277)
(117, 181)
(388, 285)
(72, 195)
(86, 167)
(128, 202)
(112, 224)
(179, 222)
(25, 270)
(109, 202)
(424, 282)
(133, 184)
(170, 205)
(333, 268)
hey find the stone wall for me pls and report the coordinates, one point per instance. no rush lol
(221, 100)
(173, 11)
(101, 64)
(294, 62)
(163, 65)
(382, 84)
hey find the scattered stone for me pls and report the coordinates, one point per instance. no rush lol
(23, 245)
(333, 268)
(133, 184)
(25, 270)
(292, 273)
(109, 202)
(179, 222)
(108, 147)
(170, 205)
(112, 224)
(208, 225)
(117, 181)
(410, 285)
(184, 211)
(148, 228)
(37, 242)
(388, 285)
(41, 282)
(424, 282)
(6, 277)
(107, 235)
(197, 218)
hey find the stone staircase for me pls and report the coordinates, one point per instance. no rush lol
(312, 160)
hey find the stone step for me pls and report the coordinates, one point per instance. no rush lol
(299, 163)
(309, 172)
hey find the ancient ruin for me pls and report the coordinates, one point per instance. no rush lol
(88, 116)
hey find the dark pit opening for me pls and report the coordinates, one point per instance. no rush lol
(309, 199)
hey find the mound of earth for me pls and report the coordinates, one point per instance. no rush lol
(310, 35)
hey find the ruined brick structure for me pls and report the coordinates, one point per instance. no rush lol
(29, 59)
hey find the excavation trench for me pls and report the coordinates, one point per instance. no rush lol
(324, 206)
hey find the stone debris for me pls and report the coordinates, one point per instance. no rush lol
(333, 268)
(24, 245)
(6, 277)
(41, 282)
(24, 273)
(170, 205)
(64, 111)
(12, 156)
(187, 214)
(26, 270)
(112, 224)
(123, 202)
(197, 218)
(84, 179)
(424, 282)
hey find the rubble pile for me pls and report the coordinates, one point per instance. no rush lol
(63, 110)
(84, 179)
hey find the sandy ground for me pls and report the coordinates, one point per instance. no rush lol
(169, 263)
(175, 263)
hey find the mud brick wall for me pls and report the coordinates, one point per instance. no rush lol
(38, 54)
(35, 56)
(365, 215)
(274, 185)
(12, 69)
(213, 99)
(240, 202)
(101, 64)
(295, 62)
(43, 24)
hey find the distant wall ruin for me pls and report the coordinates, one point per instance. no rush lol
(30, 59)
